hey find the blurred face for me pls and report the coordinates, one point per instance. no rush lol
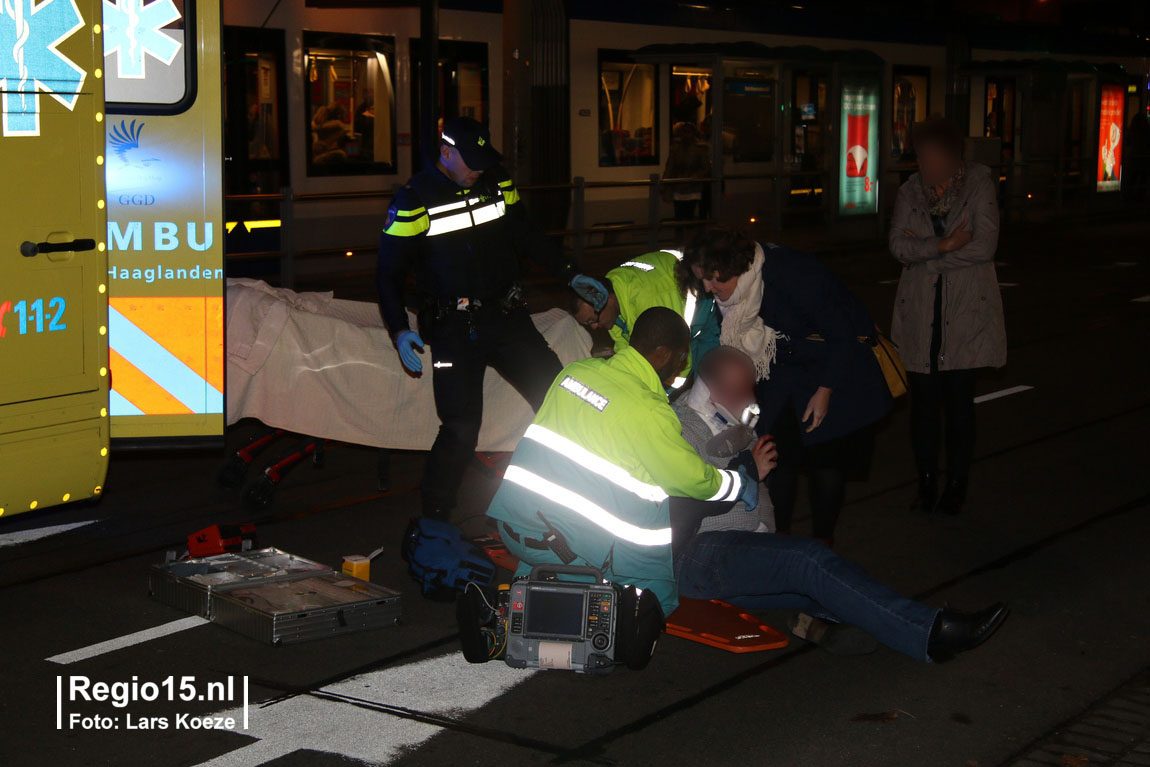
(937, 165)
(732, 385)
(453, 163)
(721, 289)
(586, 316)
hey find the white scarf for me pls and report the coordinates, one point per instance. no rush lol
(742, 326)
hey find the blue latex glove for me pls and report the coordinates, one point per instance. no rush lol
(407, 342)
(750, 493)
(590, 290)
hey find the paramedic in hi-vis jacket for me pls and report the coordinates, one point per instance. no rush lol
(592, 480)
(635, 286)
(604, 477)
(462, 228)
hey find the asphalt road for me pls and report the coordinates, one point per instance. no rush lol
(1056, 526)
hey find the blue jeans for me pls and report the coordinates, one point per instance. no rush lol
(761, 571)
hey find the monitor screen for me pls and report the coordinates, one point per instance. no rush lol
(555, 612)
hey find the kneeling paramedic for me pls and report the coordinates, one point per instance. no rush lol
(462, 226)
(616, 301)
(728, 559)
(593, 479)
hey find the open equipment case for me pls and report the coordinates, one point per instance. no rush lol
(273, 596)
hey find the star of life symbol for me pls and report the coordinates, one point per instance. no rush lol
(134, 30)
(30, 63)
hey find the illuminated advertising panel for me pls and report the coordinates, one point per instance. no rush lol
(859, 149)
(1111, 119)
(165, 219)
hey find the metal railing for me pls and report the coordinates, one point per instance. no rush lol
(578, 232)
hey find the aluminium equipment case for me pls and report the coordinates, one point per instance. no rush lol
(273, 596)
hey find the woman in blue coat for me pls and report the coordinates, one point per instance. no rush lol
(820, 388)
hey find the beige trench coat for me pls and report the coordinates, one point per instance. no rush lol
(973, 331)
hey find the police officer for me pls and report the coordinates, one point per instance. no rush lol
(461, 226)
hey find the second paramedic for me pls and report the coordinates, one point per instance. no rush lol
(635, 286)
(461, 227)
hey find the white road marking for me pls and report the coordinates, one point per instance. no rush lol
(128, 640)
(35, 534)
(1141, 300)
(1002, 393)
(1125, 264)
(443, 686)
(1008, 284)
(888, 282)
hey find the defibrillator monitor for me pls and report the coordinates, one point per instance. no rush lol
(554, 624)
(556, 612)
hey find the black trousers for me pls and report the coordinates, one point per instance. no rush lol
(826, 467)
(462, 348)
(948, 393)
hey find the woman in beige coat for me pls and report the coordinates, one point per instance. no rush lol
(948, 310)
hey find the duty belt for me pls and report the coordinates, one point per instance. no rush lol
(552, 540)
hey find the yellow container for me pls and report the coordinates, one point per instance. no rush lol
(357, 566)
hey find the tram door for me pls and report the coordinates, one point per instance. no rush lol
(53, 259)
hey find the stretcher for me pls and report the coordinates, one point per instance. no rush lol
(312, 364)
(712, 622)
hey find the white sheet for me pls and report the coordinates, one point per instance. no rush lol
(316, 365)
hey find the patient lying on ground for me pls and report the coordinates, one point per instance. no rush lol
(730, 557)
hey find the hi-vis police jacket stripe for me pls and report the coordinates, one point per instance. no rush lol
(648, 281)
(599, 464)
(462, 243)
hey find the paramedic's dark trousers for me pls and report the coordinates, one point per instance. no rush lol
(507, 342)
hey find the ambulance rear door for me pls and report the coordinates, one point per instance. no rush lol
(53, 260)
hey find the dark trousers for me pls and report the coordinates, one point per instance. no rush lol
(948, 393)
(826, 480)
(507, 342)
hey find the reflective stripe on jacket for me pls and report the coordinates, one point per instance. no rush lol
(648, 281)
(598, 465)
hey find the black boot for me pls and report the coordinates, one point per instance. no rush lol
(954, 632)
(953, 497)
(924, 502)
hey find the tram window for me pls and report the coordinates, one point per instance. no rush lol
(910, 100)
(748, 112)
(462, 85)
(255, 113)
(809, 121)
(146, 58)
(349, 95)
(628, 109)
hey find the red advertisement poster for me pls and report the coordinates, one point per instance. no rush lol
(1110, 125)
(858, 145)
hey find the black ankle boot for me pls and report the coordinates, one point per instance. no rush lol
(953, 497)
(927, 494)
(954, 632)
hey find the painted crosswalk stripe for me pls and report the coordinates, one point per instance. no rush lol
(1000, 394)
(447, 686)
(1141, 300)
(35, 534)
(119, 643)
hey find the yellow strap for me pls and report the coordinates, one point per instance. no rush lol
(510, 196)
(410, 213)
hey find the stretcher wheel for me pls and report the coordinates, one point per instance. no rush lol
(232, 472)
(258, 495)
